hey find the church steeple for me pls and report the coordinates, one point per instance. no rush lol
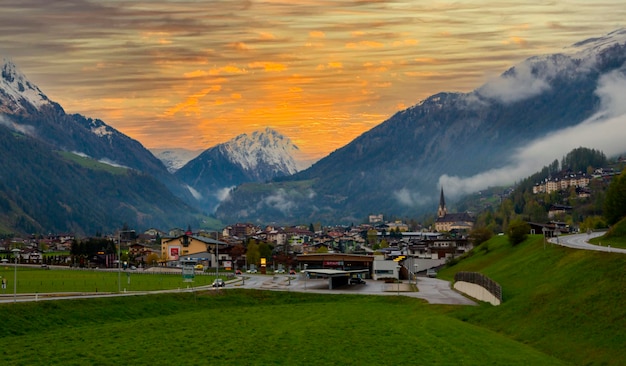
(442, 211)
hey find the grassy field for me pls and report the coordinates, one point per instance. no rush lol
(33, 279)
(250, 327)
(565, 302)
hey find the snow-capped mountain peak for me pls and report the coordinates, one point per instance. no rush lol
(266, 147)
(534, 75)
(16, 91)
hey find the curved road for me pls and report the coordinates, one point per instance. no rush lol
(580, 241)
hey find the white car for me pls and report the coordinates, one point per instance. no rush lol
(280, 271)
(251, 271)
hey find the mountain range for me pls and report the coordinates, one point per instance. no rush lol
(457, 141)
(66, 172)
(69, 173)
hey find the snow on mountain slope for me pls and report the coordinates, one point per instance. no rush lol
(256, 157)
(175, 158)
(593, 46)
(262, 148)
(534, 75)
(16, 90)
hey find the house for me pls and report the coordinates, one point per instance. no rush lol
(373, 219)
(384, 268)
(558, 210)
(138, 250)
(240, 230)
(563, 182)
(397, 226)
(187, 244)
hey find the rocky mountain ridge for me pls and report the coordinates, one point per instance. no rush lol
(256, 157)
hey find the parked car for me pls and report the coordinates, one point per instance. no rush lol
(280, 271)
(357, 281)
(199, 267)
(251, 271)
(219, 283)
(431, 272)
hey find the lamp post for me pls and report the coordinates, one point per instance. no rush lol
(398, 267)
(119, 258)
(410, 265)
(119, 262)
(217, 257)
(305, 275)
(15, 253)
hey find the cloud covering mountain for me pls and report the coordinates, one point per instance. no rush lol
(605, 130)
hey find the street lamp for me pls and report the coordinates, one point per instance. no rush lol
(119, 258)
(305, 275)
(217, 256)
(398, 267)
(15, 253)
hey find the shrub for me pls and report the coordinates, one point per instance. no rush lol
(518, 231)
(480, 235)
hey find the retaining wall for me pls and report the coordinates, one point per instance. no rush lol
(478, 286)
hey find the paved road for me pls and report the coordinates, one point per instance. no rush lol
(580, 241)
(433, 290)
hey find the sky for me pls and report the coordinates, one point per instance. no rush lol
(193, 74)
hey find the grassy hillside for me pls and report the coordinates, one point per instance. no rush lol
(567, 303)
(92, 164)
(615, 237)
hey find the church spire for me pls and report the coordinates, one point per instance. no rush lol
(442, 211)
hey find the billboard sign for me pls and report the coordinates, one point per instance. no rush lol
(228, 265)
(174, 252)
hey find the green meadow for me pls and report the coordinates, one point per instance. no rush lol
(615, 237)
(36, 280)
(250, 327)
(561, 306)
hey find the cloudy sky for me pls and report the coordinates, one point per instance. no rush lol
(192, 74)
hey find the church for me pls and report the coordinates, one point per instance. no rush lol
(452, 221)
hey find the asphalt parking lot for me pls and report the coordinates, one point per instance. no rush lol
(433, 290)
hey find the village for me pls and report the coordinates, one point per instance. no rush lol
(249, 247)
